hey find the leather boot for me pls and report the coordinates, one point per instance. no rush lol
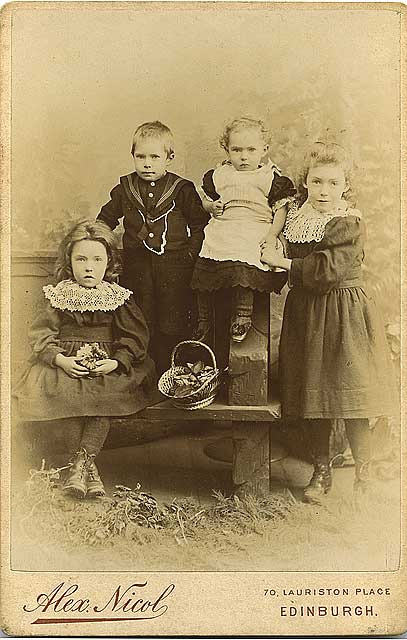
(319, 485)
(95, 488)
(75, 484)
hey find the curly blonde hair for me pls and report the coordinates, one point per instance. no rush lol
(88, 230)
(323, 153)
(244, 122)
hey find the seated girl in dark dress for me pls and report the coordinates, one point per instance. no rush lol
(89, 357)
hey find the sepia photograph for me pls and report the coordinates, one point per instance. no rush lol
(201, 267)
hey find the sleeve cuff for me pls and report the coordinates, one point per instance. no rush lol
(280, 203)
(49, 356)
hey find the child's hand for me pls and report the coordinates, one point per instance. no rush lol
(71, 366)
(270, 241)
(273, 258)
(103, 367)
(216, 208)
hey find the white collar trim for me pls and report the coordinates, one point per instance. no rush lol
(68, 295)
(306, 224)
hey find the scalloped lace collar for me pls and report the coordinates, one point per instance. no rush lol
(306, 224)
(68, 295)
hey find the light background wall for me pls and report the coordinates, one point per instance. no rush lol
(83, 79)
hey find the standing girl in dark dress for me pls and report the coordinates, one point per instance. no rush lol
(89, 357)
(334, 358)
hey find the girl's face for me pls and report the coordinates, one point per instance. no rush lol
(326, 185)
(246, 149)
(88, 262)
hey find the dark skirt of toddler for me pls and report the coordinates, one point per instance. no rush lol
(211, 275)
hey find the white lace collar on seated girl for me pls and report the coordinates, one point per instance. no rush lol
(68, 295)
(307, 224)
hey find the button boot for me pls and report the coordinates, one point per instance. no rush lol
(95, 487)
(75, 484)
(319, 485)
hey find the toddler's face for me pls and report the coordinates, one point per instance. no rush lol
(150, 159)
(246, 149)
(326, 185)
(89, 262)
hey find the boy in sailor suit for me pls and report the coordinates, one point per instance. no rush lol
(163, 222)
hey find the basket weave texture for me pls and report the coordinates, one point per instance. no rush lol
(203, 395)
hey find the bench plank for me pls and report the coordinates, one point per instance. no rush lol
(216, 411)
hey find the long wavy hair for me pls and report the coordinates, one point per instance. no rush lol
(324, 153)
(88, 230)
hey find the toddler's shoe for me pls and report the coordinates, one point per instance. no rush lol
(240, 327)
(94, 484)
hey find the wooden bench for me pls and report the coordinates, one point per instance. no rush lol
(243, 413)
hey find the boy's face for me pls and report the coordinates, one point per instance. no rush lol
(150, 159)
(246, 149)
(89, 262)
(326, 185)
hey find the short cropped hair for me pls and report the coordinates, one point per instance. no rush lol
(244, 122)
(156, 130)
(88, 230)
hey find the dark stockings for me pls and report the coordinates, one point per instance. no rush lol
(359, 436)
(87, 433)
(204, 306)
(243, 302)
(319, 431)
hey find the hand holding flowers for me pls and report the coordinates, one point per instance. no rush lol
(90, 360)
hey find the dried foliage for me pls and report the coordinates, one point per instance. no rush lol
(133, 530)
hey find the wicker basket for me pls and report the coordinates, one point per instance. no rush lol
(205, 394)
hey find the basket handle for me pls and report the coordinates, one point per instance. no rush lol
(201, 344)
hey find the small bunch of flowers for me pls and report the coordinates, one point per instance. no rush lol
(89, 354)
(191, 377)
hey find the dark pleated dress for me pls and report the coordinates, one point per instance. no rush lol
(334, 357)
(46, 392)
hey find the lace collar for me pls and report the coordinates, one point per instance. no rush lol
(306, 224)
(68, 295)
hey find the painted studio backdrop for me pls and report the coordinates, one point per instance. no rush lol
(84, 78)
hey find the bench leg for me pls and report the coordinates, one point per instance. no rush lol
(251, 459)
